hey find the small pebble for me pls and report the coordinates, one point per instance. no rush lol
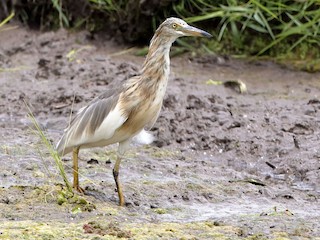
(93, 161)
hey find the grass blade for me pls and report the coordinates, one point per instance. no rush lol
(7, 19)
(52, 151)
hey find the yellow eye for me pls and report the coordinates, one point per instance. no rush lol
(174, 26)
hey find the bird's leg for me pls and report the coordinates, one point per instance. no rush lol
(116, 179)
(76, 170)
(123, 146)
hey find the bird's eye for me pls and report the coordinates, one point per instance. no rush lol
(174, 26)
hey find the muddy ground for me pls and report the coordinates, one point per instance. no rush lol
(224, 166)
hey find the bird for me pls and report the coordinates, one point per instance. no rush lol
(123, 112)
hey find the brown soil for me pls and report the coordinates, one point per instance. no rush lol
(225, 165)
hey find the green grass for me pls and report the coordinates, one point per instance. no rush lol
(275, 27)
(58, 6)
(282, 29)
(53, 153)
(7, 19)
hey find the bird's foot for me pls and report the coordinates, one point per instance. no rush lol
(79, 189)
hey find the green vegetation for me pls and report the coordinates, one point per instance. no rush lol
(284, 29)
(54, 154)
(7, 19)
(292, 23)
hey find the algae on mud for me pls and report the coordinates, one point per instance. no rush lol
(98, 229)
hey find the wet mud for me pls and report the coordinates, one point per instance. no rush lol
(224, 165)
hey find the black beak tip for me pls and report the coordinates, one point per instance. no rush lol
(206, 34)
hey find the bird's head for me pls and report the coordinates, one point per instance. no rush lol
(175, 27)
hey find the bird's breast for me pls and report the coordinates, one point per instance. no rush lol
(145, 105)
(138, 119)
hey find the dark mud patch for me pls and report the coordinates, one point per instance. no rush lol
(224, 165)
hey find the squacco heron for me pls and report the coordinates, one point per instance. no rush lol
(121, 113)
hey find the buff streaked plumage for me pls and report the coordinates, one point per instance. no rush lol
(119, 114)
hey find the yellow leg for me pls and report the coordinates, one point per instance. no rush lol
(116, 179)
(76, 170)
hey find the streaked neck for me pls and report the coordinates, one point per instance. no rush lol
(157, 63)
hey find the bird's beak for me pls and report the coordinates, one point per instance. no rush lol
(192, 31)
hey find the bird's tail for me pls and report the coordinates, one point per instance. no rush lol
(144, 137)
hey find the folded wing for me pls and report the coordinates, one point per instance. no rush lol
(96, 122)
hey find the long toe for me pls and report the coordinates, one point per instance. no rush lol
(79, 189)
